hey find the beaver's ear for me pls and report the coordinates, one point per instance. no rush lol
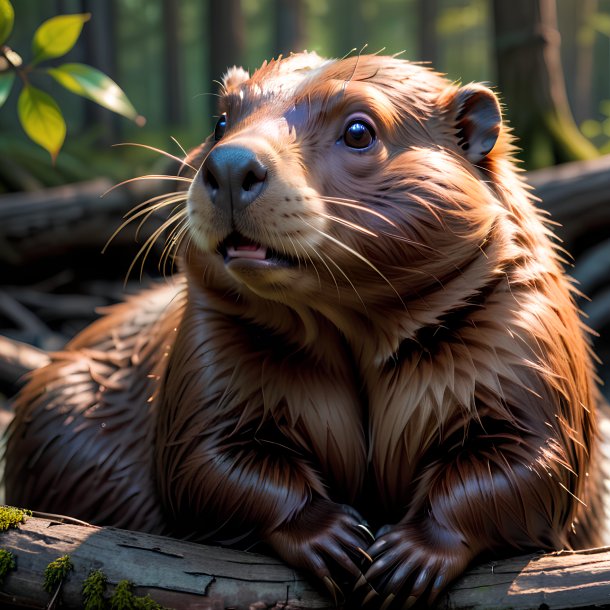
(234, 76)
(476, 114)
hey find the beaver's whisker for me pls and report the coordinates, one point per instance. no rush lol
(161, 152)
(175, 140)
(221, 87)
(352, 50)
(153, 207)
(349, 224)
(151, 201)
(144, 251)
(186, 251)
(332, 275)
(170, 245)
(180, 237)
(349, 80)
(204, 94)
(184, 163)
(150, 211)
(168, 256)
(349, 203)
(419, 246)
(148, 177)
(144, 212)
(150, 242)
(359, 256)
(269, 238)
(303, 244)
(321, 258)
(412, 242)
(183, 215)
(347, 278)
(296, 252)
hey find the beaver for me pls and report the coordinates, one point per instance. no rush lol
(370, 331)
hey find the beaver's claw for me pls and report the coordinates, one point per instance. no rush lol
(329, 540)
(409, 568)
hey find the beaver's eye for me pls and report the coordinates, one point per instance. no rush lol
(358, 134)
(221, 127)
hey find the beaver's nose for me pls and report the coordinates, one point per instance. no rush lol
(233, 176)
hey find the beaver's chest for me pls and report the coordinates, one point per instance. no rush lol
(417, 407)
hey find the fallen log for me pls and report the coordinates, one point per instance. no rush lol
(174, 573)
(180, 574)
(41, 224)
(18, 358)
(577, 196)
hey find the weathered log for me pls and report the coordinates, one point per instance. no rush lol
(44, 223)
(577, 196)
(176, 574)
(18, 358)
(181, 574)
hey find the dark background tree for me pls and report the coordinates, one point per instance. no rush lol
(167, 54)
(428, 14)
(290, 26)
(530, 77)
(226, 31)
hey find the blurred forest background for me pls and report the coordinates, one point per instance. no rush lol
(166, 54)
(549, 60)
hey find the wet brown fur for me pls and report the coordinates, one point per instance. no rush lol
(422, 361)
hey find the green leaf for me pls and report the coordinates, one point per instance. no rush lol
(6, 84)
(41, 119)
(7, 18)
(94, 85)
(56, 36)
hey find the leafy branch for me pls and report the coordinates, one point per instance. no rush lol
(39, 114)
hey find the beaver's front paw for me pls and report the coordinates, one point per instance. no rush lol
(327, 539)
(412, 565)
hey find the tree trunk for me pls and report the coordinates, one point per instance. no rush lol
(36, 226)
(226, 29)
(428, 47)
(577, 196)
(172, 62)
(578, 36)
(350, 34)
(531, 80)
(180, 574)
(100, 52)
(290, 31)
(585, 44)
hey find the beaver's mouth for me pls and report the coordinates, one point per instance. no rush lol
(239, 247)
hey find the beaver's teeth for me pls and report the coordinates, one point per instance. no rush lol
(247, 251)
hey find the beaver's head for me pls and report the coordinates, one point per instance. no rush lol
(359, 183)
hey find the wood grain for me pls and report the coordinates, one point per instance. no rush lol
(185, 575)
